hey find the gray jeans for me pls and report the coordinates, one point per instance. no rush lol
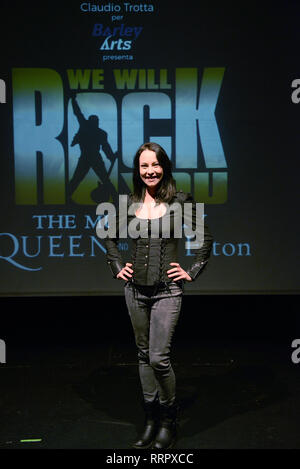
(154, 313)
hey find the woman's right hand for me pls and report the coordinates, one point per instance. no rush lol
(126, 272)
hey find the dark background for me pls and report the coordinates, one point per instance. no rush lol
(67, 338)
(257, 43)
(32, 322)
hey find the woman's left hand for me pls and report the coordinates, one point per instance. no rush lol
(177, 273)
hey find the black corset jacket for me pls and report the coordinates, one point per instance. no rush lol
(155, 244)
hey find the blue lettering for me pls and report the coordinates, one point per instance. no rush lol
(53, 245)
(15, 251)
(75, 245)
(240, 252)
(24, 239)
(232, 249)
(90, 223)
(82, 7)
(99, 30)
(39, 217)
(95, 241)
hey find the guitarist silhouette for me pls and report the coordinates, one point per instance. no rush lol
(90, 138)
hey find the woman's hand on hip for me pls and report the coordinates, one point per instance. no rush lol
(126, 272)
(177, 273)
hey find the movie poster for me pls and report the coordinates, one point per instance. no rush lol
(84, 84)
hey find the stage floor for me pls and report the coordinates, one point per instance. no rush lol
(232, 394)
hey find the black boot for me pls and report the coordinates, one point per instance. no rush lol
(167, 432)
(147, 436)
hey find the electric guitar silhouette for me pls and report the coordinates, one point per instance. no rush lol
(103, 191)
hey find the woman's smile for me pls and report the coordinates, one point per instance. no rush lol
(150, 170)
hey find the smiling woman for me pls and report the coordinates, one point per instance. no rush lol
(154, 286)
(150, 169)
(151, 173)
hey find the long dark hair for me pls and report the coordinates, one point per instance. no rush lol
(167, 186)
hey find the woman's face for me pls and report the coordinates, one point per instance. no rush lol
(150, 170)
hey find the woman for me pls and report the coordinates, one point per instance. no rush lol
(154, 285)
